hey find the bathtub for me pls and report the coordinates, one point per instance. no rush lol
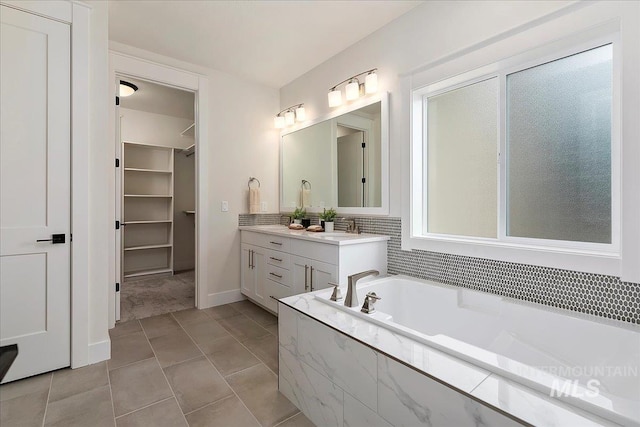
(590, 364)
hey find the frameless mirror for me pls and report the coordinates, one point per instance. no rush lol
(340, 161)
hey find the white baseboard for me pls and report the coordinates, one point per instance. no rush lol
(99, 351)
(226, 297)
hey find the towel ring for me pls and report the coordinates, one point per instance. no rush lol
(305, 182)
(251, 179)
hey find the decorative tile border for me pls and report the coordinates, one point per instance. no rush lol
(596, 294)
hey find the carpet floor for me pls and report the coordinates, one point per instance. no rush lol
(142, 298)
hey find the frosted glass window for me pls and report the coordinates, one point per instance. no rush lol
(559, 149)
(461, 159)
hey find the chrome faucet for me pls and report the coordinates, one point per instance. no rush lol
(351, 226)
(351, 299)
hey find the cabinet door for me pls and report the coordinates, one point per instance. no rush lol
(247, 272)
(258, 262)
(321, 273)
(300, 274)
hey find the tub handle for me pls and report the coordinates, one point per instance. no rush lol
(369, 302)
(336, 295)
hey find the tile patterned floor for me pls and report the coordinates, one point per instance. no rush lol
(147, 296)
(213, 367)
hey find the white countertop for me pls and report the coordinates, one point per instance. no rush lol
(334, 238)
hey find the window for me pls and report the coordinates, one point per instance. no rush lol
(558, 143)
(522, 156)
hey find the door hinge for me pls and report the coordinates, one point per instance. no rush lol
(117, 287)
(364, 180)
(117, 163)
(363, 145)
(117, 225)
(117, 100)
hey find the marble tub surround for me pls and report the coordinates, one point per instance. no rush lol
(529, 344)
(404, 368)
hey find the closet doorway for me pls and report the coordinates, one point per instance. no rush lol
(156, 199)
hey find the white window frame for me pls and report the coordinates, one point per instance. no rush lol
(581, 256)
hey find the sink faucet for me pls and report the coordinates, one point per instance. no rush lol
(351, 226)
(352, 297)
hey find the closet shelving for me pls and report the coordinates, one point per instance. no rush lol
(148, 209)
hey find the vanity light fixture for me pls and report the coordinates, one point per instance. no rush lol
(354, 89)
(289, 116)
(127, 89)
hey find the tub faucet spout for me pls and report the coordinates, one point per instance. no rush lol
(351, 299)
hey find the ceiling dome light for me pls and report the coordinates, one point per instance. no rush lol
(278, 122)
(127, 89)
(301, 114)
(335, 98)
(371, 83)
(352, 90)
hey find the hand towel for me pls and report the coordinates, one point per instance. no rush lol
(305, 196)
(254, 200)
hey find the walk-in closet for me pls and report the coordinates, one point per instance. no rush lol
(157, 199)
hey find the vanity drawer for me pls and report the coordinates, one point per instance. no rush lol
(276, 290)
(279, 259)
(278, 274)
(271, 241)
(319, 251)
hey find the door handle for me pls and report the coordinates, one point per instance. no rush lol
(55, 239)
(306, 268)
(311, 276)
(252, 265)
(276, 243)
(276, 275)
(275, 259)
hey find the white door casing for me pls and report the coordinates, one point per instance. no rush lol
(35, 182)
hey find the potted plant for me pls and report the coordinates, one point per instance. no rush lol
(327, 216)
(298, 215)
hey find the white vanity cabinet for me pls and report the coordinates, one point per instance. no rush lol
(277, 262)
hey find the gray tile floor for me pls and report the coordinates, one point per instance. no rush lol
(213, 367)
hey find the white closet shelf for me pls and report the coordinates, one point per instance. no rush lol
(147, 170)
(160, 221)
(166, 196)
(140, 248)
(147, 272)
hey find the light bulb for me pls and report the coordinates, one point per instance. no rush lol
(289, 118)
(335, 98)
(278, 122)
(352, 90)
(301, 114)
(371, 83)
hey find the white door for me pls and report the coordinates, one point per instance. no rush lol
(34, 191)
(351, 164)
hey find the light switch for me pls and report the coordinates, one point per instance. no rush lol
(224, 206)
(263, 206)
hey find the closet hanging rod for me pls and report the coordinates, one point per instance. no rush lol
(253, 179)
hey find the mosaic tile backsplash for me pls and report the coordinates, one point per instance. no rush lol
(599, 295)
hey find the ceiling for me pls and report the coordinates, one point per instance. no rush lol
(159, 99)
(270, 42)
